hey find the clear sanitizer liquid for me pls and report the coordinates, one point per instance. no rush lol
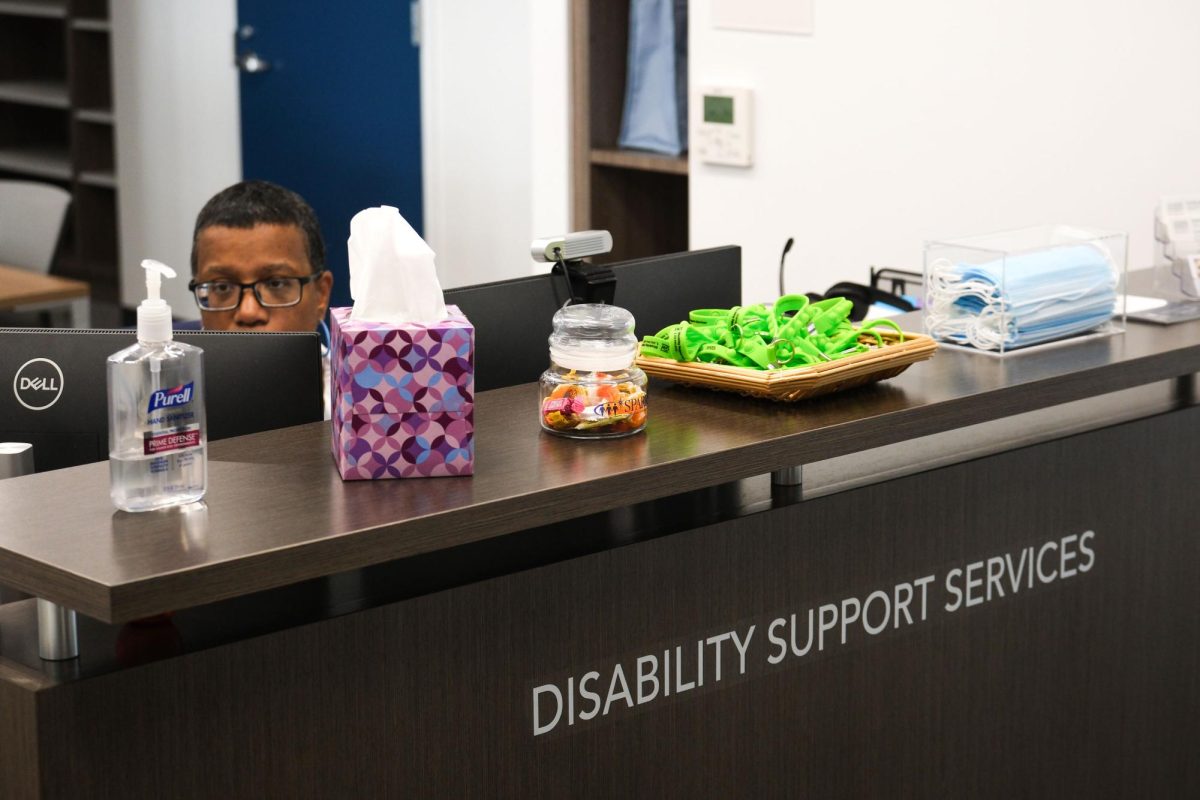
(157, 434)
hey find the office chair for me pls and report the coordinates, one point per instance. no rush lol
(31, 221)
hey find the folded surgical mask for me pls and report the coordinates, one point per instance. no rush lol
(1022, 299)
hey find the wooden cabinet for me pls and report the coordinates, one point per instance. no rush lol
(56, 123)
(641, 197)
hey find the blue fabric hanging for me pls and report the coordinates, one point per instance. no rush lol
(655, 115)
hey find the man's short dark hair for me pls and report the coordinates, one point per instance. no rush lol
(251, 203)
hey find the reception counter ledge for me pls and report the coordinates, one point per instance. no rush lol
(985, 587)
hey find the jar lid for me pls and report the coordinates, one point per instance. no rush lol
(593, 337)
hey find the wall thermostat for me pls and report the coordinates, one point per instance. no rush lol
(725, 132)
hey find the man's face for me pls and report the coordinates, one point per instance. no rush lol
(246, 255)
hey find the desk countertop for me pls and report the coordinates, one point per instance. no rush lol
(21, 286)
(276, 512)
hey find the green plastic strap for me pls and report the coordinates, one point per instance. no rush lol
(709, 316)
(834, 311)
(719, 354)
(875, 323)
(757, 351)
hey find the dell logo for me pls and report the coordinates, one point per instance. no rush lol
(38, 384)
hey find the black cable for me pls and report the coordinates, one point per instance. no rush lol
(558, 259)
(786, 247)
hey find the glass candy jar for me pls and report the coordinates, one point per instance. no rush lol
(592, 389)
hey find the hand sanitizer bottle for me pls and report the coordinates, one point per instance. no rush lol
(156, 427)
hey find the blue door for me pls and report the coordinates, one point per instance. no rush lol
(331, 108)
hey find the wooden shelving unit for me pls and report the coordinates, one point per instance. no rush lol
(103, 178)
(641, 197)
(35, 92)
(37, 161)
(56, 123)
(99, 115)
(95, 25)
(53, 9)
(648, 162)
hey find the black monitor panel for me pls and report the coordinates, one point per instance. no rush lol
(512, 318)
(253, 382)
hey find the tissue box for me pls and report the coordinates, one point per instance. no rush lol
(402, 397)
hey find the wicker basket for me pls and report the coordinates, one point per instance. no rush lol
(801, 383)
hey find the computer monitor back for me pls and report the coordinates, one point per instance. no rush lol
(53, 387)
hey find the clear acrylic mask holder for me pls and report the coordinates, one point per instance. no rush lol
(986, 294)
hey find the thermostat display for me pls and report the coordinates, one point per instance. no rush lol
(724, 132)
(718, 109)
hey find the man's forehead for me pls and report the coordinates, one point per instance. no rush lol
(261, 246)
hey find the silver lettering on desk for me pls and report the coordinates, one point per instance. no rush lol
(701, 663)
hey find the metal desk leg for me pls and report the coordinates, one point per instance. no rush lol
(81, 313)
(1185, 390)
(57, 636)
(787, 486)
(788, 476)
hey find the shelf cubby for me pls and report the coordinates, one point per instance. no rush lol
(45, 92)
(91, 70)
(641, 197)
(42, 9)
(57, 124)
(34, 142)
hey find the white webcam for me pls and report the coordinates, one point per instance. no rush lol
(572, 246)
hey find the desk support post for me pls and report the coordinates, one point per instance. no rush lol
(81, 313)
(788, 476)
(58, 639)
(1185, 389)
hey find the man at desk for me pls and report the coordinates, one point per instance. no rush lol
(258, 262)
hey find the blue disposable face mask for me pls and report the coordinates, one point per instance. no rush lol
(1022, 300)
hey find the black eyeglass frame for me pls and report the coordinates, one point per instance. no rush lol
(193, 285)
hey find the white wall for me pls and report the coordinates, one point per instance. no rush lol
(494, 80)
(494, 119)
(899, 122)
(550, 120)
(893, 123)
(177, 130)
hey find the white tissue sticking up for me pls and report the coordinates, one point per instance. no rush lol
(392, 277)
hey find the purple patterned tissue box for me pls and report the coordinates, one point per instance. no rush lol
(403, 397)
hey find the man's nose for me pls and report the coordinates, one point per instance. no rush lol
(249, 312)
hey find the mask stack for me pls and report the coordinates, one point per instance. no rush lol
(1023, 299)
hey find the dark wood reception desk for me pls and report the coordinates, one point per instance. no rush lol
(985, 587)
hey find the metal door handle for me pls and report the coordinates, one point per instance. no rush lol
(250, 62)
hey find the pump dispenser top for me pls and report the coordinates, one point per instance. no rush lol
(153, 313)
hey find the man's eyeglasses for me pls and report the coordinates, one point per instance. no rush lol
(279, 291)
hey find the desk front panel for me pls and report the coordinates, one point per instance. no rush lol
(1020, 624)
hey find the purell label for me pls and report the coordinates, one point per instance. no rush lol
(181, 439)
(181, 395)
